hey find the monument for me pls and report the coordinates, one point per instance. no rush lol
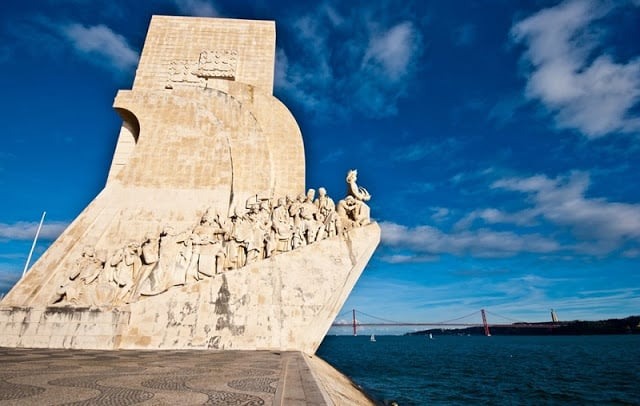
(204, 235)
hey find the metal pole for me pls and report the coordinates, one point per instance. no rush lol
(33, 246)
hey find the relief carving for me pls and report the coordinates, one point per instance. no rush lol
(353, 211)
(217, 64)
(215, 245)
(210, 64)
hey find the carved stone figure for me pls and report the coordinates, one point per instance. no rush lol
(78, 290)
(236, 247)
(255, 242)
(361, 214)
(327, 215)
(298, 239)
(309, 218)
(127, 264)
(353, 189)
(281, 226)
(264, 225)
(167, 271)
(207, 257)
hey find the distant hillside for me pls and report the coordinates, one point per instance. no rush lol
(629, 325)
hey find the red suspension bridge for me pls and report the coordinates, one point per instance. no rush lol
(355, 323)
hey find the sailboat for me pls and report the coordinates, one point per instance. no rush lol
(430, 336)
(373, 338)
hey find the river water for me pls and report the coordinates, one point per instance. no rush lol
(415, 370)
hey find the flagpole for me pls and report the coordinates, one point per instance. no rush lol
(35, 239)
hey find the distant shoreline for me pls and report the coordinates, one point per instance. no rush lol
(628, 325)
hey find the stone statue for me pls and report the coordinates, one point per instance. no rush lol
(167, 271)
(298, 239)
(327, 215)
(281, 226)
(208, 255)
(309, 218)
(78, 290)
(359, 193)
(213, 246)
(353, 210)
(127, 263)
(236, 247)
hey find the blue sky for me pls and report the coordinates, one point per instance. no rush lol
(499, 139)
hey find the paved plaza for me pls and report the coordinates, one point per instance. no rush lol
(181, 377)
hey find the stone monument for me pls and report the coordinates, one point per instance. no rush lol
(204, 235)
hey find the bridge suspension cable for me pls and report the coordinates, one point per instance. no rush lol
(459, 318)
(504, 317)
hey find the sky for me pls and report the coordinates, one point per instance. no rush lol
(500, 140)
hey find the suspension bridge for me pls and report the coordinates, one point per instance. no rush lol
(355, 322)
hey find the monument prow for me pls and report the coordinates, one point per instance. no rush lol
(203, 236)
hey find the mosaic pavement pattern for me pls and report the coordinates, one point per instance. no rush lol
(180, 377)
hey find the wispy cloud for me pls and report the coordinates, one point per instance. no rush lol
(408, 259)
(584, 90)
(558, 207)
(8, 277)
(100, 44)
(496, 216)
(525, 297)
(427, 149)
(483, 243)
(23, 230)
(97, 44)
(198, 8)
(563, 201)
(364, 66)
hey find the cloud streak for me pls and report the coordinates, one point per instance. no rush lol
(584, 90)
(338, 69)
(484, 243)
(562, 201)
(97, 44)
(23, 230)
(198, 8)
(101, 44)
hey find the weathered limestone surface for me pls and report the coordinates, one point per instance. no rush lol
(203, 236)
(287, 302)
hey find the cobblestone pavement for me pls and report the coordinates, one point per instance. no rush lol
(179, 377)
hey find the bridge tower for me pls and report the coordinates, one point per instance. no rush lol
(355, 326)
(554, 316)
(485, 324)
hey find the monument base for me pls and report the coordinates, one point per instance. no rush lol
(285, 303)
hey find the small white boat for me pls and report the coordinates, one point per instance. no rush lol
(373, 338)
(430, 336)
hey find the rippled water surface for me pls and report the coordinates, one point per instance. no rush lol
(414, 370)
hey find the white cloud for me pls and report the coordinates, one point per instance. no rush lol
(496, 216)
(587, 92)
(198, 8)
(408, 259)
(562, 201)
(480, 243)
(8, 277)
(23, 230)
(393, 50)
(334, 68)
(101, 42)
